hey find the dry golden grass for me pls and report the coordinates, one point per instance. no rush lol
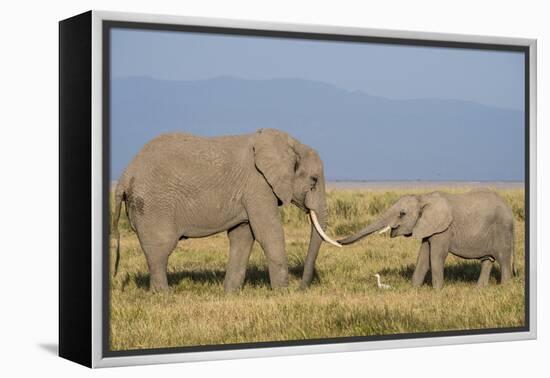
(343, 300)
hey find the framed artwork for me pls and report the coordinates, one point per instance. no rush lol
(232, 189)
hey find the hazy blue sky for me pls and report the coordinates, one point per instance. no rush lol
(389, 112)
(393, 71)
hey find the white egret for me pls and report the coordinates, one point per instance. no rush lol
(381, 285)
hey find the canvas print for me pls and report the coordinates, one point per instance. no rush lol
(267, 189)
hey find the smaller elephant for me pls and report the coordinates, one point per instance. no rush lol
(473, 225)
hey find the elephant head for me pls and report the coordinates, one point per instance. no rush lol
(295, 173)
(419, 216)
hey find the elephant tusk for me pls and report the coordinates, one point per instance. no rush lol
(385, 229)
(320, 230)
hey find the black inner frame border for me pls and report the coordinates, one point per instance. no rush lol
(108, 25)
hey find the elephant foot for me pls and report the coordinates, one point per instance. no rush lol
(278, 276)
(159, 289)
(281, 286)
(505, 273)
(280, 280)
(438, 285)
(231, 289)
(280, 290)
(505, 281)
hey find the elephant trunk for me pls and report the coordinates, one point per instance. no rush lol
(381, 224)
(317, 205)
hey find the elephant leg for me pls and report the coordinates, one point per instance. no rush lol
(505, 263)
(439, 249)
(422, 264)
(157, 260)
(240, 246)
(266, 224)
(485, 274)
(273, 246)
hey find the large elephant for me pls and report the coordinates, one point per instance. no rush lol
(183, 186)
(473, 225)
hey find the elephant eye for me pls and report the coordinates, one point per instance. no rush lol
(314, 180)
(402, 213)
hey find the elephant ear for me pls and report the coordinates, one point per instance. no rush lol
(275, 158)
(435, 216)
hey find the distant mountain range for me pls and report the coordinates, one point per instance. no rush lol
(358, 136)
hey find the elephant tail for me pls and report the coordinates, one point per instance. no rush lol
(119, 197)
(514, 268)
(513, 257)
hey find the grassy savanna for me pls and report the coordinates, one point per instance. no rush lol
(342, 301)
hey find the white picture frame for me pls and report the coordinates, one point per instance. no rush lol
(95, 355)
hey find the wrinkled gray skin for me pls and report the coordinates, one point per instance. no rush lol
(473, 225)
(183, 186)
